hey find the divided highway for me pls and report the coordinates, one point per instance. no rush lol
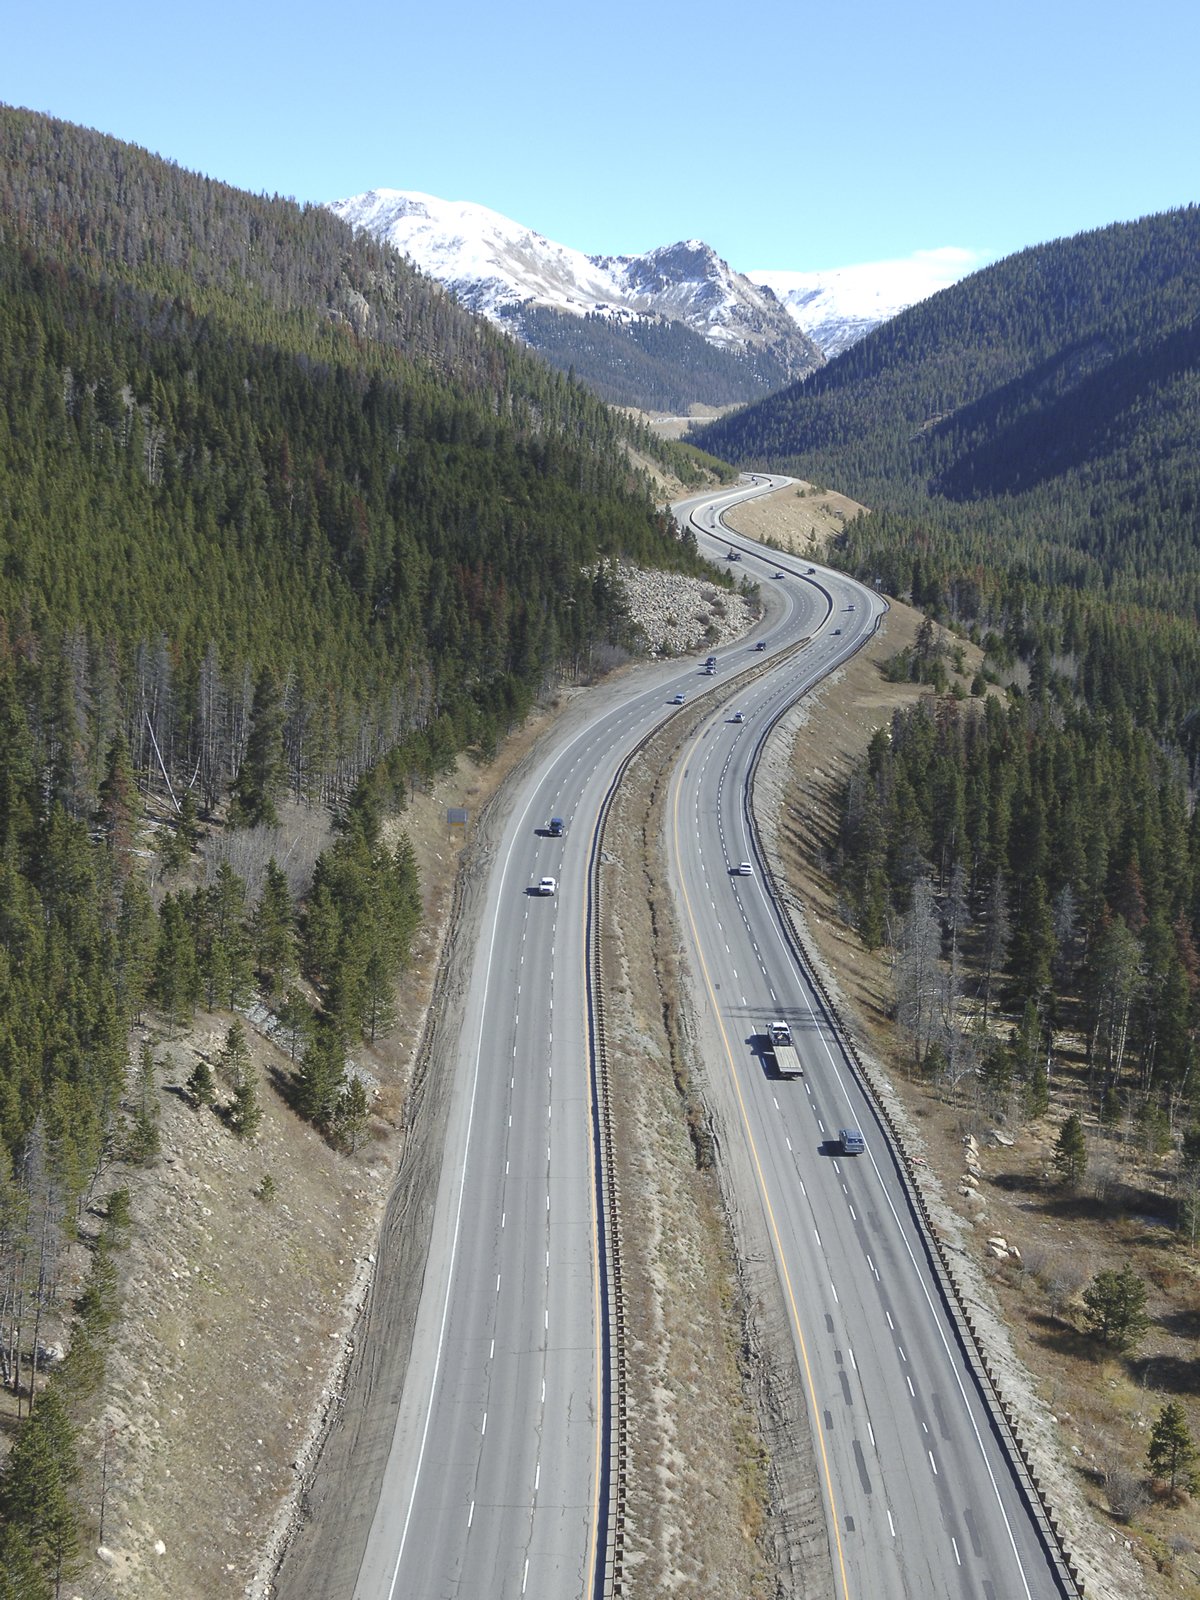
(495, 1481)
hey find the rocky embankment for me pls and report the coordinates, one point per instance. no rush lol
(676, 614)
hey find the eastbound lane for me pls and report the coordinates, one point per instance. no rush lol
(919, 1497)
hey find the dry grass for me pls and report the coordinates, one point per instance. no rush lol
(697, 1470)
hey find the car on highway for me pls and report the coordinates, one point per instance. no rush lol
(851, 1141)
(779, 574)
(837, 630)
(547, 885)
(761, 645)
(811, 571)
(678, 700)
(556, 828)
(733, 556)
(738, 716)
(742, 870)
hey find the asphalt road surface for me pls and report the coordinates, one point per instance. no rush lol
(919, 1496)
(493, 1484)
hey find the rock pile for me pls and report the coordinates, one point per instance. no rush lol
(675, 614)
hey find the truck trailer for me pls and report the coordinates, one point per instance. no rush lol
(783, 1051)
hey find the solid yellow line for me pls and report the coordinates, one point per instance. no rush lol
(787, 1281)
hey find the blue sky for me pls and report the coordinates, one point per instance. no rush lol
(786, 135)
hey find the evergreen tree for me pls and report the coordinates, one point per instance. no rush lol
(233, 1062)
(201, 1084)
(245, 1111)
(262, 777)
(144, 1138)
(1070, 1153)
(274, 931)
(350, 1117)
(36, 1489)
(1115, 1308)
(1172, 1454)
(321, 1077)
(176, 985)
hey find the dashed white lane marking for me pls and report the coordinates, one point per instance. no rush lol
(525, 1576)
(492, 1350)
(853, 1362)
(871, 1432)
(483, 1430)
(932, 1462)
(903, 1357)
(789, 1142)
(890, 1323)
(776, 1103)
(911, 1390)
(497, 1283)
(503, 1216)
(833, 1286)
(471, 1514)
(953, 1540)
(891, 1524)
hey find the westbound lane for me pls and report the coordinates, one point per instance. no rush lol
(493, 1482)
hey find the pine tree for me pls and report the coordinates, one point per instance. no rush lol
(35, 1492)
(233, 1062)
(136, 935)
(201, 1084)
(262, 777)
(273, 931)
(245, 1111)
(1115, 1308)
(117, 810)
(1172, 1454)
(176, 984)
(321, 1076)
(144, 1138)
(1070, 1153)
(350, 1117)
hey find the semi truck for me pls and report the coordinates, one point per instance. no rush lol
(783, 1051)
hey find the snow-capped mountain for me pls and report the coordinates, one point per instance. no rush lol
(490, 262)
(838, 307)
(668, 330)
(635, 345)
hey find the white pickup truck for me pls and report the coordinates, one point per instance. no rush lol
(783, 1051)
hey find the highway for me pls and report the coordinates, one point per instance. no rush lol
(919, 1496)
(494, 1484)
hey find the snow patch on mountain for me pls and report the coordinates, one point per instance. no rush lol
(496, 266)
(838, 307)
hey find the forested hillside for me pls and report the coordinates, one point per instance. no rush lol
(1042, 413)
(651, 363)
(276, 518)
(1030, 442)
